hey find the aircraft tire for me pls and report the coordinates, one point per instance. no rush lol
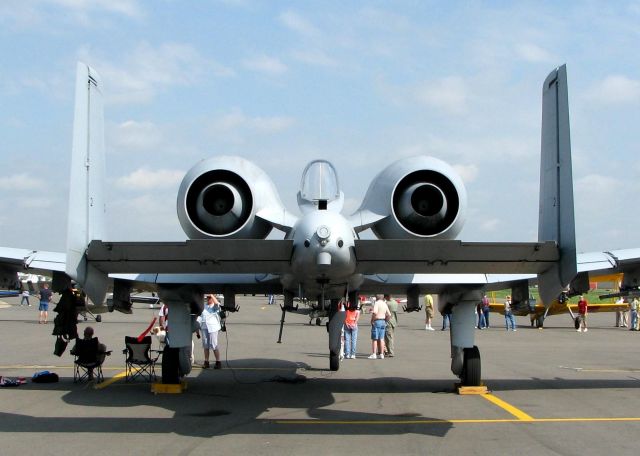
(171, 365)
(471, 368)
(334, 361)
(98, 318)
(318, 321)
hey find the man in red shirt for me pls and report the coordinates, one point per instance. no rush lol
(582, 311)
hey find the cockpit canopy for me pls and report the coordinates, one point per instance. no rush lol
(319, 186)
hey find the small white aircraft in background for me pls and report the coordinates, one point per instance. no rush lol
(227, 206)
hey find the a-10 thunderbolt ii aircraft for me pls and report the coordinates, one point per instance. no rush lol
(227, 206)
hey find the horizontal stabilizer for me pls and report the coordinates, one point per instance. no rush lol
(398, 256)
(230, 256)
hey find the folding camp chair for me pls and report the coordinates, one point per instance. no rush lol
(138, 361)
(87, 360)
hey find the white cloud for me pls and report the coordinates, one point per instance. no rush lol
(132, 135)
(489, 224)
(39, 202)
(39, 13)
(448, 94)
(315, 57)
(596, 187)
(265, 64)
(616, 89)
(148, 69)
(21, 182)
(237, 120)
(533, 53)
(299, 24)
(146, 179)
(468, 173)
(125, 7)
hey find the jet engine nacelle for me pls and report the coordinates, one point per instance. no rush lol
(220, 197)
(416, 197)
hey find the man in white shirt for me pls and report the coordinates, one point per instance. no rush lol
(379, 316)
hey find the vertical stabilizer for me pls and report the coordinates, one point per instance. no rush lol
(86, 188)
(556, 220)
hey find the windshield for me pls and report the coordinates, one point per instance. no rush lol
(319, 182)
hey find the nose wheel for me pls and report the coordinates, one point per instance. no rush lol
(334, 327)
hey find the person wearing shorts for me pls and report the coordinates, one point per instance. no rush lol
(428, 310)
(210, 325)
(379, 316)
(45, 299)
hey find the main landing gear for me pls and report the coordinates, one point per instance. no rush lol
(465, 356)
(471, 367)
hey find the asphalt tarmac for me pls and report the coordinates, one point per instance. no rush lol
(552, 391)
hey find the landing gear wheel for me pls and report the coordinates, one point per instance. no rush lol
(576, 322)
(318, 321)
(471, 367)
(98, 318)
(540, 321)
(170, 365)
(334, 361)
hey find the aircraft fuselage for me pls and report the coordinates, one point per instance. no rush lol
(323, 256)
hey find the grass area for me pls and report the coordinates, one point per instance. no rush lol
(592, 296)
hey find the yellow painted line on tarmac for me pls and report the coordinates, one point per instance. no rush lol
(110, 381)
(466, 421)
(617, 371)
(508, 407)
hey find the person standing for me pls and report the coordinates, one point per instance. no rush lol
(446, 318)
(508, 314)
(583, 309)
(486, 307)
(633, 324)
(25, 298)
(163, 317)
(480, 315)
(621, 314)
(351, 330)
(45, 299)
(390, 330)
(210, 325)
(379, 316)
(428, 310)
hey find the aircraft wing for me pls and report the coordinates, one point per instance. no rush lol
(613, 261)
(395, 256)
(213, 283)
(223, 256)
(13, 261)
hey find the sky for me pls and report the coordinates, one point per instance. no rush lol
(359, 83)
